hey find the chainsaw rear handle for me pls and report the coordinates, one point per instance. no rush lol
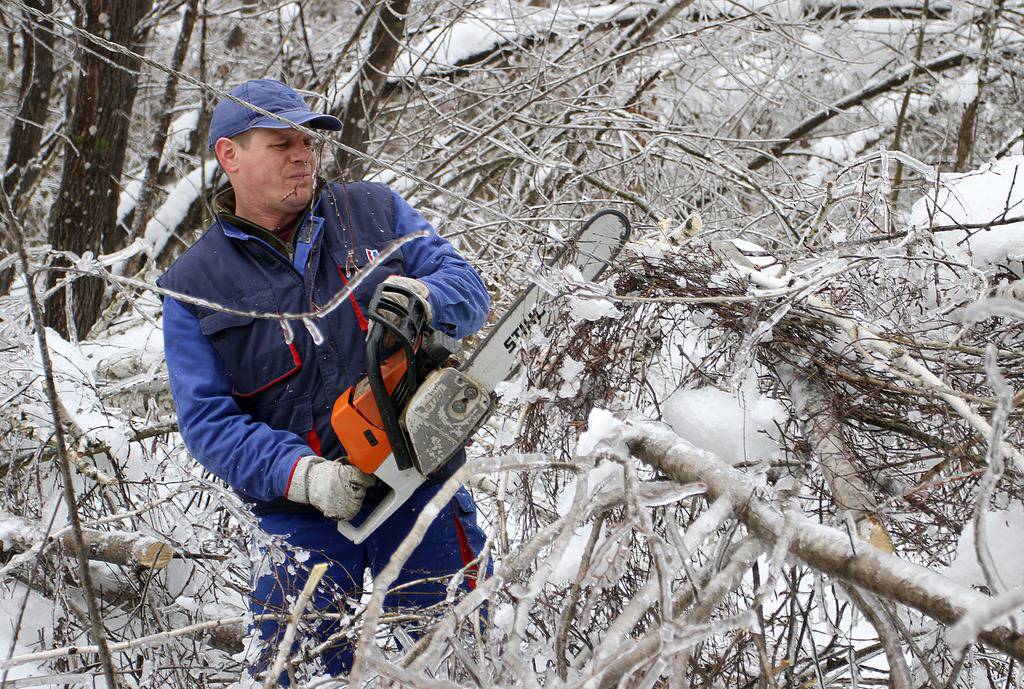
(402, 482)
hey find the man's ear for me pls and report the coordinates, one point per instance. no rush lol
(227, 154)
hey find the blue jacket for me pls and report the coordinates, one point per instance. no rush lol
(250, 403)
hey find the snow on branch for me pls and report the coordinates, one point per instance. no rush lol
(825, 549)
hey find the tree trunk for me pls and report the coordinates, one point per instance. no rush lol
(966, 134)
(84, 215)
(365, 99)
(27, 128)
(147, 191)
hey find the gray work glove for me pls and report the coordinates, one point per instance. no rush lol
(334, 488)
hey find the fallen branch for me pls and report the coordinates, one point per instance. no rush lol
(127, 548)
(825, 549)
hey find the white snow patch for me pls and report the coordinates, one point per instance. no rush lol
(601, 426)
(491, 25)
(990, 193)
(735, 428)
(74, 377)
(959, 90)
(1001, 528)
(179, 131)
(592, 308)
(126, 201)
(37, 622)
(570, 372)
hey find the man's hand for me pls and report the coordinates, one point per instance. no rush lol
(421, 291)
(334, 488)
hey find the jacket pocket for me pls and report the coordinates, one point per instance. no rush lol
(255, 352)
(295, 415)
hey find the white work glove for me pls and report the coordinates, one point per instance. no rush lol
(334, 488)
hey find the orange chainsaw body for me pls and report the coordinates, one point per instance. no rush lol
(357, 422)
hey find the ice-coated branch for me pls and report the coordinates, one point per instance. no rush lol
(821, 429)
(284, 649)
(896, 78)
(141, 642)
(822, 548)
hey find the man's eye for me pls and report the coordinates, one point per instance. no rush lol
(281, 146)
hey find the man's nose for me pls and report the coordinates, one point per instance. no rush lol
(302, 153)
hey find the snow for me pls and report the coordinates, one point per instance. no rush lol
(139, 349)
(173, 210)
(129, 195)
(846, 149)
(987, 194)
(492, 25)
(960, 90)
(602, 426)
(734, 427)
(1001, 527)
(74, 377)
(36, 623)
(179, 131)
(570, 372)
(585, 308)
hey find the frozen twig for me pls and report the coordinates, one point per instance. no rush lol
(141, 642)
(285, 647)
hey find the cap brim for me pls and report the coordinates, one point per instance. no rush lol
(313, 120)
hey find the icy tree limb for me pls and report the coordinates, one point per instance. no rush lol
(15, 232)
(821, 428)
(899, 673)
(617, 664)
(50, 453)
(117, 547)
(284, 650)
(387, 576)
(896, 78)
(824, 549)
(428, 649)
(630, 615)
(141, 642)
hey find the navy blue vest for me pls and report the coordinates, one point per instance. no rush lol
(292, 386)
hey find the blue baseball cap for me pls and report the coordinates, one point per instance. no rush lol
(231, 119)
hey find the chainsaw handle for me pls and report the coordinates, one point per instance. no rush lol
(402, 482)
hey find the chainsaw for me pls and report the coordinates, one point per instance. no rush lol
(419, 406)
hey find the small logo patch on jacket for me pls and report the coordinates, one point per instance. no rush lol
(372, 254)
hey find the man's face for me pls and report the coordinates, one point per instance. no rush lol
(272, 172)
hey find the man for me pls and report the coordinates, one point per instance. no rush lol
(254, 400)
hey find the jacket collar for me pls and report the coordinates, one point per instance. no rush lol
(239, 228)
